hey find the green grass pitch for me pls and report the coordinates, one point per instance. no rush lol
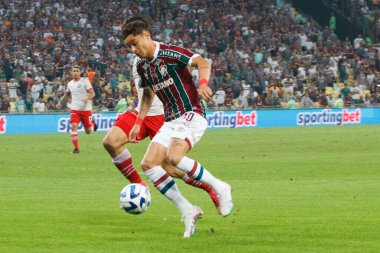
(305, 189)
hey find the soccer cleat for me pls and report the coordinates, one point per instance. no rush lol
(214, 199)
(75, 151)
(225, 200)
(191, 220)
(95, 125)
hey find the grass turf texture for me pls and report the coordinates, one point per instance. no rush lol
(313, 189)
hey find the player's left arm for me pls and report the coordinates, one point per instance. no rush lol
(204, 70)
(90, 92)
(91, 95)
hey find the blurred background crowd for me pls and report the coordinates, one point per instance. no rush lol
(264, 53)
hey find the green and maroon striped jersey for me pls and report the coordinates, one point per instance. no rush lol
(170, 78)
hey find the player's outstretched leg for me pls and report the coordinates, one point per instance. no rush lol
(167, 186)
(153, 158)
(114, 143)
(211, 192)
(196, 171)
(177, 173)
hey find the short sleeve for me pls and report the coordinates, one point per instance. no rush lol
(88, 84)
(185, 55)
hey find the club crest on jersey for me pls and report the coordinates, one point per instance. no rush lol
(79, 85)
(163, 70)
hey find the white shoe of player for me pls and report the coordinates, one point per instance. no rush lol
(225, 200)
(191, 220)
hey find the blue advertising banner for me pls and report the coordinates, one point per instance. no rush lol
(60, 123)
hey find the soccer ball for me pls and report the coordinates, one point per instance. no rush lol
(135, 198)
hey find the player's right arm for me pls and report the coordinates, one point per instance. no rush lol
(146, 102)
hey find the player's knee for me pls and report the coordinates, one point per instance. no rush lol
(108, 144)
(146, 164)
(174, 158)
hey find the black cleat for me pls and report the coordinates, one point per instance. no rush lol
(75, 151)
(95, 126)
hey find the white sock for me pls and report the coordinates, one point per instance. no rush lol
(122, 156)
(196, 171)
(167, 186)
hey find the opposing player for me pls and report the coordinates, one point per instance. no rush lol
(114, 142)
(81, 93)
(164, 71)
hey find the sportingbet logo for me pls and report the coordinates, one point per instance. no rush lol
(3, 124)
(232, 119)
(104, 123)
(329, 117)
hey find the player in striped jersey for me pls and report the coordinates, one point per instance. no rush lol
(81, 93)
(164, 71)
(114, 142)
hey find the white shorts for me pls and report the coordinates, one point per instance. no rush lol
(189, 127)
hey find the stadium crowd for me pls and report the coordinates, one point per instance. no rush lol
(363, 13)
(263, 53)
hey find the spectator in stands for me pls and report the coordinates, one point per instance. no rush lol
(330, 101)
(257, 100)
(122, 105)
(332, 22)
(339, 103)
(291, 104)
(20, 105)
(236, 87)
(29, 102)
(50, 105)
(345, 91)
(220, 96)
(39, 106)
(272, 39)
(12, 105)
(23, 86)
(306, 101)
(5, 104)
(12, 88)
(322, 98)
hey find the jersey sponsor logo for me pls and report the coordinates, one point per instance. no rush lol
(162, 85)
(232, 120)
(329, 117)
(3, 124)
(170, 54)
(104, 123)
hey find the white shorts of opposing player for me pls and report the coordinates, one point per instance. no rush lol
(189, 127)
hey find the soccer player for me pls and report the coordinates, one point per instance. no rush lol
(114, 142)
(81, 93)
(164, 71)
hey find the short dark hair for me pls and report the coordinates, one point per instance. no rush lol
(134, 25)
